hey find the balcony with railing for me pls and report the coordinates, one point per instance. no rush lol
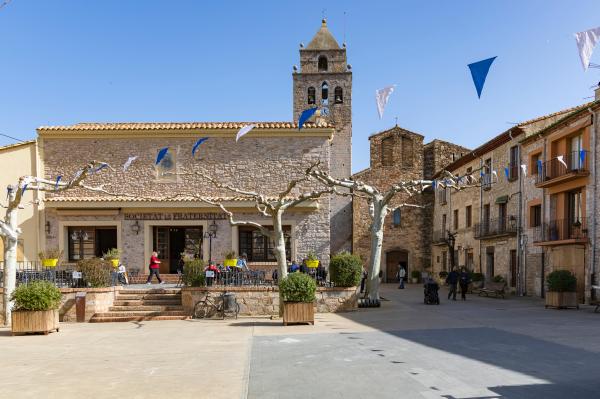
(496, 228)
(574, 164)
(561, 231)
(439, 237)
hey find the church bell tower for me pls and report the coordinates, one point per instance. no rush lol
(324, 80)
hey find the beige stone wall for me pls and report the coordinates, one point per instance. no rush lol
(97, 300)
(262, 301)
(264, 164)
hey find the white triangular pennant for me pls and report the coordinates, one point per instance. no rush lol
(586, 41)
(244, 130)
(381, 97)
(561, 160)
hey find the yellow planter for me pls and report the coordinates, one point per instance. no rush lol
(230, 262)
(115, 262)
(312, 263)
(49, 262)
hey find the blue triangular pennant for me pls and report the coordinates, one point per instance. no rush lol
(57, 181)
(306, 114)
(197, 144)
(582, 156)
(506, 172)
(479, 71)
(539, 166)
(433, 184)
(24, 188)
(161, 154)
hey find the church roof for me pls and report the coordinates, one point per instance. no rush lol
(181, 126)
(323, 40)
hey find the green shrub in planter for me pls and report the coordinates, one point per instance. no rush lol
(96, 272)
(37, 295)
(561, 281)
(345, 270)
(415, 274)
(297, 287)
(443, 274)
(498, 279)
(476, 276)
(193, 273)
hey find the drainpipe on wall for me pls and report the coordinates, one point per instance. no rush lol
(543, 283)
(480, 215)
(522, 280)
(593, 275)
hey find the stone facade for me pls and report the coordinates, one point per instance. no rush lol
(97, 300)
(265, 163)
(399, 155)
(331, 82)
(264, 301)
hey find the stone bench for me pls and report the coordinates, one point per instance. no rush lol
(494, 288)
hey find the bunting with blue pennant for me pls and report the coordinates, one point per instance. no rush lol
(433, 184)
(540, 166)
(306, 115)
(24, 188)
(506, 172)
(197, 144)
(161, 154)
(479, 72)
(57, 181)
(582, 156)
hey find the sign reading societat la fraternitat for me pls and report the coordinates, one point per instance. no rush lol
(176, 216)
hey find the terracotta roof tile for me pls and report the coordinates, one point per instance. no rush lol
(144, 199)
(180, 126)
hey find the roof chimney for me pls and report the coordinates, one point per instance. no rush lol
(597, 92)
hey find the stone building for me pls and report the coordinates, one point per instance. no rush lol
(156, 207)
(325, 80)
(398, 155)
(503, 224)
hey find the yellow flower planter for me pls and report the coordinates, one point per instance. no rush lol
(312, 263)
(230, 262)
(115, 262)
(49, 262)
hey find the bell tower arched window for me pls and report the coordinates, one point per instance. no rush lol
(338, 95)
(325, 93)
(322, 64)
(312, 94)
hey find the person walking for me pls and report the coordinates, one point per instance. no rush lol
(363, 281)
(154, 266)
(452, 281)
(400, 276)
(464, 280)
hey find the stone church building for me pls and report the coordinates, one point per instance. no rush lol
(399, 155)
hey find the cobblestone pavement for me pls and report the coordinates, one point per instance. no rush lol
(481, 348)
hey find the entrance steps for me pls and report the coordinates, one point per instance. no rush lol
(142, 305)
(142, 278)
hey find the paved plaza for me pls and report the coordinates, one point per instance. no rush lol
(481, 348)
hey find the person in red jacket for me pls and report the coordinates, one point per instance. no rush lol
(154, 266)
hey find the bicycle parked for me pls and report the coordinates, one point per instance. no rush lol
(217, 305)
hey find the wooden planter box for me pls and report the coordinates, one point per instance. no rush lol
(42, 321)
(561, 300)
(298, 312)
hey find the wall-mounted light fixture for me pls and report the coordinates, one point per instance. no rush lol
(136, 227)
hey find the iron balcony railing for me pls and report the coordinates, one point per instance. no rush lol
(496, 227)
(561, 229)
(439, 236)
(572, 162)
(64, 276)
(486, 181)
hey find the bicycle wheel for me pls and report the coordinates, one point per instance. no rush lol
(200, 310)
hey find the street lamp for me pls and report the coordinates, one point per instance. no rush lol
(210, 234)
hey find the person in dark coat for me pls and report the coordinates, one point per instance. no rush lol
(363, 281)
(464, 279)
(452, 281)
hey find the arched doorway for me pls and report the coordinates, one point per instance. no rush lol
(393, 259)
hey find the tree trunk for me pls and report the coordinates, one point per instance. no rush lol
(379, 212)
(10, 260)
(279, 245)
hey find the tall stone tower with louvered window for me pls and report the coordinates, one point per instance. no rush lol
(324, 80)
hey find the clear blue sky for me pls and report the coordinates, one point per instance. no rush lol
(65, 62)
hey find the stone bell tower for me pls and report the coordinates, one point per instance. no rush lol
(324, 80)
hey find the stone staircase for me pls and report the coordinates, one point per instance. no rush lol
(167, 278)
(142, 305)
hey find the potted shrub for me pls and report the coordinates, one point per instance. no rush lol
(95, 272)
(193, 272)
(414, 276)
(443, 275)
(345, 270)
(311, 259)
(477, 279)
(50, 257)
(113, 255)
(297, 291)
(498, 279)
(36, 308)
(562, 290)
(230, 259)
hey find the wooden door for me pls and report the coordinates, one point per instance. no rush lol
(392, 260)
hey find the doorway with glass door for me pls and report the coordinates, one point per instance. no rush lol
(173, 243)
